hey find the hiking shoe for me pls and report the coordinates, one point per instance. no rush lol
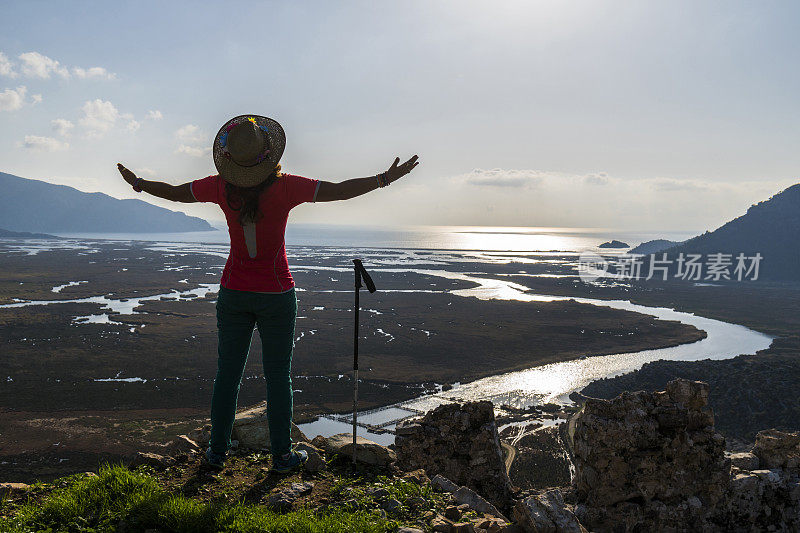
(286, 463)
(214, 460)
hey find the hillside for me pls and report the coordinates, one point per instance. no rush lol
(654, 246)
(771, 228)
(36, 206)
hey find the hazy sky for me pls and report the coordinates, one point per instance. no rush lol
(634, 115)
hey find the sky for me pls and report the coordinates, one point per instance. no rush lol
(643, 115)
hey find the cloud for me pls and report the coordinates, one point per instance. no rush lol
(6, 68)
(62, 126)
(99, 116)
(192, 150)
(36, 65)
(672, 184)
(193, 141)
(144, 171)
(12, 99)
(133, 126)
(44, 144)
(36, 99)
(93, 73)
(600, 178)
(190, 134)
(154, 114)
(498, 177)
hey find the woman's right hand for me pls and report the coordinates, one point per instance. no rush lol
(127, 175)
(396, 171)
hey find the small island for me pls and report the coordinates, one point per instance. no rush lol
(614, 244)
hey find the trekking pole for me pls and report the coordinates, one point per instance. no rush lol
(360, 273)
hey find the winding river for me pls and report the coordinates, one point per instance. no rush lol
(555, 381)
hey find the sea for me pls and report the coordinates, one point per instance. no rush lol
(479, 238)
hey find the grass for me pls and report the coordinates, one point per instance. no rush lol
(119, 496)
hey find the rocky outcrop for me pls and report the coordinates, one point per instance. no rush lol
(541, 460)
(643, 447)
(459, 442)
(778, 449)
(653, 462)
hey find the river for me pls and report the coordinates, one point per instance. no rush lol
(553, 382)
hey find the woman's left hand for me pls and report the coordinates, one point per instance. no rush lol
(127, 175)
(396, 171)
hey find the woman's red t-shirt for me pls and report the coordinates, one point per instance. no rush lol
(262, 266)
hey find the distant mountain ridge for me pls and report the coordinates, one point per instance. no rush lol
(37, 206)
(770, 228)
(5, 234)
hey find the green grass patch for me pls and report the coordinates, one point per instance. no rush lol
(100, 504)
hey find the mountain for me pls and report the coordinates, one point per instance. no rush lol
(770, 228)
(651, 247)
(31, 205)
(5, 234)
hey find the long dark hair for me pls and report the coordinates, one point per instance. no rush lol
(245, 199)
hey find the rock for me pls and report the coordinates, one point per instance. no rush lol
(409, 530)
(283, 499)
(252, 431)
(320, 442)
(151, 459)
(443, 484)
(391, 505)
(492, 525)
(778, 449)
(546, 513)
(315, 463)
(366, 451)
(182, 444)
(453, 513)
(13, 489)
(466, 495)
(744, 460)
(417, 476)
(441, 524)
(458, 441)
(463, 527)
(513, 528)
(201, 435)
(378, 493)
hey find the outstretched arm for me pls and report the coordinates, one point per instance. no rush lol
(329, 191)
(175, 193)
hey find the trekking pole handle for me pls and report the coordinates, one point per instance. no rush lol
(361, 272)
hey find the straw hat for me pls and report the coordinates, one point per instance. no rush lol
(247, 149)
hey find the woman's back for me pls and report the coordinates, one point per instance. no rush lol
(257, 260)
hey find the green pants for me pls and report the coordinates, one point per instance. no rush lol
(238, 313)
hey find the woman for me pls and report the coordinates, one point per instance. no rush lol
(257, 289)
